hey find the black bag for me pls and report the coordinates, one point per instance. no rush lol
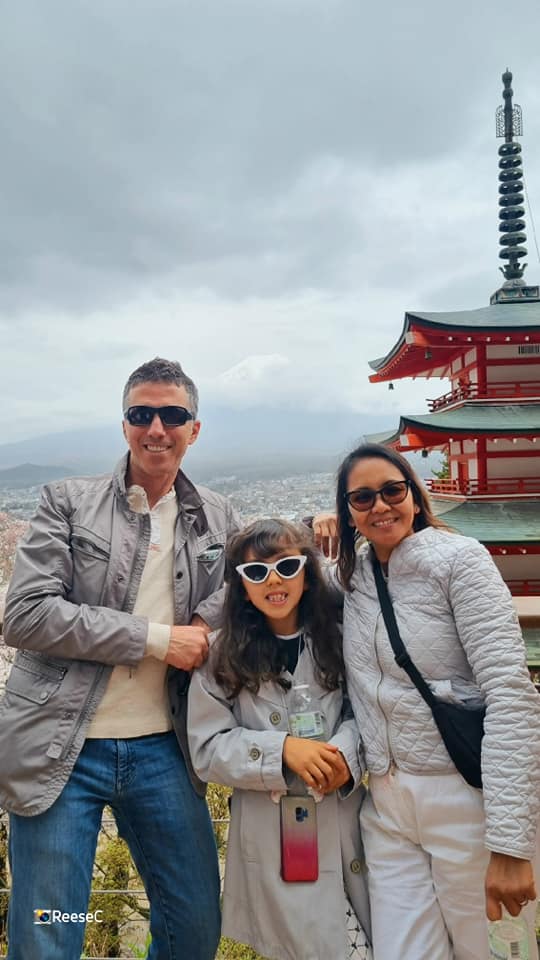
(461, 729)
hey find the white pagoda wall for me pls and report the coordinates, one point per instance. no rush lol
(457, 449)
(513, 467)
(516, 372)
(459, 364)
(513, 373)
(521, 567)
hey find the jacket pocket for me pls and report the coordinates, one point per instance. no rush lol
(34, 682)
(37, 662)
(88, 543)
(210, 550)
(90, 556)
(209, 566)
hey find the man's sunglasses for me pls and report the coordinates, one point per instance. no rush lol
(257, 572)
(142, 416)
(391, 493)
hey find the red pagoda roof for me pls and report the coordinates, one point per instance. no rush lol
(430, 341)
(467, 421)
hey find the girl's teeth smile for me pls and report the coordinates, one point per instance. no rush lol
(276, 597)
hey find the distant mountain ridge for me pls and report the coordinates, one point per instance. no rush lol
(31, 475)
(279, 439)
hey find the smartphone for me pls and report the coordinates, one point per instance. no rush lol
(299, 845)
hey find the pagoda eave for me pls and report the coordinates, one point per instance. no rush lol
(439, 429)
(499, 525)
(408, 438)
(429, 342)
(417, 437)
(412, 362)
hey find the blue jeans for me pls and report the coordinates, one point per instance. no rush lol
(167, 828)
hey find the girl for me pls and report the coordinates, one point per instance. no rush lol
(280, 642)
(432, 841)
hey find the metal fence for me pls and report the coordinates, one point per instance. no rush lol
(134, 935)
(134, 891)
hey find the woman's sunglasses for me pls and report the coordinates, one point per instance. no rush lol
(142, 415)
(391, 493)
(257, 572)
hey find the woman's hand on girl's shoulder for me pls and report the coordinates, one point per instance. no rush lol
(319, 765)
(325, 532)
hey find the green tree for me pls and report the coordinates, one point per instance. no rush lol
(443, 473)
(114, 871)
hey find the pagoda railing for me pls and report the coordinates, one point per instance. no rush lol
(496, 391)
(524, 588)
(524, 486)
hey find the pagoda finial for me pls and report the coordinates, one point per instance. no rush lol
(511, 210)
(508, 117)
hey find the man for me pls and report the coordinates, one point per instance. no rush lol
(109, 605)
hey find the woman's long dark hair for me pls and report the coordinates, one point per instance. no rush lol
(246, 652)
(347, 534)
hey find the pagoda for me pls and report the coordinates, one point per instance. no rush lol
(488, 422)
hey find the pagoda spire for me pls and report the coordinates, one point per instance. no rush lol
(509, 125)
(511, 210)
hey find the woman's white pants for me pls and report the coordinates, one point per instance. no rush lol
(426, 859)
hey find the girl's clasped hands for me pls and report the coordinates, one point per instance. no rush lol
(320, 765)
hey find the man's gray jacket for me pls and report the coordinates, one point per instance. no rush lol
(69, 611)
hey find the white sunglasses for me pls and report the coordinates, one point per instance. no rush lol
(257, 572)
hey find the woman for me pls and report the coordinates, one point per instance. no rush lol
(431, 839)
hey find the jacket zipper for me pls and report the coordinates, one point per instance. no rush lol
(145, 521)
(84, 710)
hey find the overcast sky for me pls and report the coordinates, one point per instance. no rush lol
(258, 188)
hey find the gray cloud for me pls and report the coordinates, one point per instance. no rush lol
(186, 174)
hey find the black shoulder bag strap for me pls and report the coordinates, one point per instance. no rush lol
(401, 655)
(461, 730)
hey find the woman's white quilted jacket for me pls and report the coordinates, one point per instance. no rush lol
(456, 619)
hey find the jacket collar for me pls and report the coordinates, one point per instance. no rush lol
(400, 553)
(189, 499)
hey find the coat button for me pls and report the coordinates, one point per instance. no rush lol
(356, 866)
(275, 718)
(180, 574)
(43, 695)
(254, 753)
